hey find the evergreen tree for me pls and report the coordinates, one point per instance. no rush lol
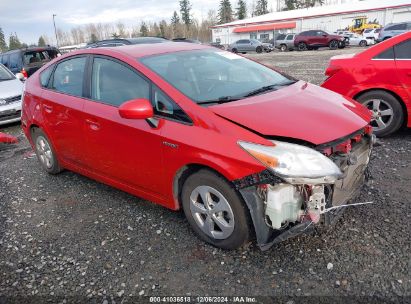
(41, 42)
(93, 37)
(3, 44)
(241, 10)
(261, 8)
(143, 29)
(225, 12)
(175, 23)
(163, 27)
(185, 8)
(14, 42)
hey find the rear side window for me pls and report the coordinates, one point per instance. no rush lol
(281, 37)
(114, 83)
(35, 56)
(15, 61)
(68, 76)
(403, 50)
(5, 60)
(45, 76)
(387, 54)
(397, 27)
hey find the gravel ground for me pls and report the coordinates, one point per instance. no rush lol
(69, 237)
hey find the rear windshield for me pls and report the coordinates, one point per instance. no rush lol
(31, 57)
(5, 74)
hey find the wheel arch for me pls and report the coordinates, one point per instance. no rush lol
(401, 101)
(181, 176)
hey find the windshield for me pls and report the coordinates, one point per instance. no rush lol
(5, 74)
(208, 75)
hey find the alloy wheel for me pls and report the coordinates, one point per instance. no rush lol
(382, 113)
(212, 212)
(44, 152)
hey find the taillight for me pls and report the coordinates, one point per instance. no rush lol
(332, 70)
(24, 72)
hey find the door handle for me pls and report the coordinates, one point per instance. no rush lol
(95, 126)
(47, 108)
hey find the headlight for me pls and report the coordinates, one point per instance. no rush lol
(294, 163)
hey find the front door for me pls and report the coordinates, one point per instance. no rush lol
(125, 150)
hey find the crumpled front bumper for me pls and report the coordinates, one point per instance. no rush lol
(354, 167)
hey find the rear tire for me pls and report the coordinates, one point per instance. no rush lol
(45, 152)
(234, 50)
(363, 43)
(221, 218)
(259, 49)
(283, 48)
(388, 115)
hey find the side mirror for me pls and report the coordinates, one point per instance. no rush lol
(20, 76)
(324, 35)
(136, 109)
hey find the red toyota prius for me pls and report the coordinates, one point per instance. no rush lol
(244, 150)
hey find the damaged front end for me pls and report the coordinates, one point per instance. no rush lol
(285, 201)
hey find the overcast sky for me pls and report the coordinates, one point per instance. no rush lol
(30, 19)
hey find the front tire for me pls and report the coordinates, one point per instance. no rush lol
(283, 48)
(45, 152)
(302, 46)
(387, 112)
(333, 45)
(259, 49)
(363, 43)
(215, 210)
(234, 50)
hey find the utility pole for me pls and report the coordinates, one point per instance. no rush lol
(55, 31)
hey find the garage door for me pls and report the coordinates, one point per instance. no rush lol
(401, 16)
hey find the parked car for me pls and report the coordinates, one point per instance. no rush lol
(10, 96)
(186, 40)
(393, 29)
(250, 45)
(372, 33)
(284, 42)
(217, 45)
(358, 40)
(122, 41)
(315, 39)
(379, 78)
(241, 148)
(26, 60)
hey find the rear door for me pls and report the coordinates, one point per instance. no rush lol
(403, 63)
(62, 103)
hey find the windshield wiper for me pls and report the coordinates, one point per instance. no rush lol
(272, 87)
(219, 100)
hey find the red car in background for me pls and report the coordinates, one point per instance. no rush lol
(380, 79)
(242, 149)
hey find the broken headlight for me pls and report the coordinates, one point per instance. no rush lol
(294, 163)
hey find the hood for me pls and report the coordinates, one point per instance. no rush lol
(301, 111)
(10, 88)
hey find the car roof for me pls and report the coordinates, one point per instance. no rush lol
(142, 50)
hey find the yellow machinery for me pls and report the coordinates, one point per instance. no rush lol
(359, 24)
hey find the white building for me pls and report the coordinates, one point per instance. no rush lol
(328, 18)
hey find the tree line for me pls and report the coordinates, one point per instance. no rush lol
(180, 24)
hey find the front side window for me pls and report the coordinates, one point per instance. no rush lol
(165, 107)
(290, 37)
(114, 83)
(207, 75)
(403, 50)
(68, 76)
